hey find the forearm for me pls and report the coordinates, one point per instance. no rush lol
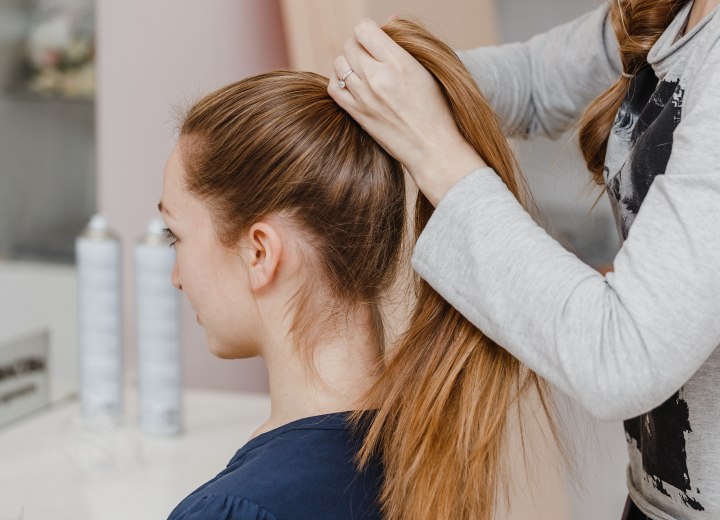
(620, 344)
(541, 86)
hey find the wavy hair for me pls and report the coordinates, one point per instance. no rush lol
(638, 24)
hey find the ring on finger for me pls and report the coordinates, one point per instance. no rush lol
(341, 81)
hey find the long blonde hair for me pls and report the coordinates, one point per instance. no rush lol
(278, 142)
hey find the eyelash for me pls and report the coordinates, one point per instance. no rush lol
(169, 235)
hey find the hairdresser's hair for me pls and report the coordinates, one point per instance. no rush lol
(278, 143)
(638, 24)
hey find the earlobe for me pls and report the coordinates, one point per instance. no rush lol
(266, 249)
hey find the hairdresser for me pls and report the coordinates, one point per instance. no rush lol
(641, 80)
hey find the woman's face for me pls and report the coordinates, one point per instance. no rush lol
(212, 276)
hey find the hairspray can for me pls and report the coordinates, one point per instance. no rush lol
(158, 329)
(97, 253)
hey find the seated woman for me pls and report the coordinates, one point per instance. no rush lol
(289, 224)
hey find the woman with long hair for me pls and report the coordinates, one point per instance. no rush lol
(640, 343)
(289, 224)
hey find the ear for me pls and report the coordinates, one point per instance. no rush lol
(265, 249)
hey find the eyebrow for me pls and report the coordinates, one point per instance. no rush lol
(163, 209)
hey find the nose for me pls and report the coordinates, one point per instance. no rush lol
(175, 277)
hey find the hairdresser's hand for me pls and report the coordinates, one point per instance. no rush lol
(399, 103)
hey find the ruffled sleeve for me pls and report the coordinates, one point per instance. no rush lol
(220, 507)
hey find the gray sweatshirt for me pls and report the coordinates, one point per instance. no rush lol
(641, 343)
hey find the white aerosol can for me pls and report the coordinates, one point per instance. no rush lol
(158, 330)
(97, 253)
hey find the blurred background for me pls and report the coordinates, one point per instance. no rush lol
(89, 92)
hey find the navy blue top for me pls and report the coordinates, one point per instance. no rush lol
(303, 470)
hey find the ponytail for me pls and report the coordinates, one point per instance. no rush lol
(440, 407)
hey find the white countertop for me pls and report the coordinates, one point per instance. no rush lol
(52, 467)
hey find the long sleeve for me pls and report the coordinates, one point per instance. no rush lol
(541, 86)
(620, 344)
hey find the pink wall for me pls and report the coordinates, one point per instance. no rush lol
(152, 57)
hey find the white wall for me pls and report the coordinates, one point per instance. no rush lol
(153, 56)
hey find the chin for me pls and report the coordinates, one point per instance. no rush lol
(223, 354)
(225, 351)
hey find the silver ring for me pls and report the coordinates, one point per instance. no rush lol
(341, 82)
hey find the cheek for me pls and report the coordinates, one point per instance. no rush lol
(210, 291)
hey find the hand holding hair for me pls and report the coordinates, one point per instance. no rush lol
(445, 378)
(400, 104)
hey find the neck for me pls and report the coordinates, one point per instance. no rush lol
(334, 377)
(699, 10)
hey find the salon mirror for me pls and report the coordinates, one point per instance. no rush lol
(47, 193)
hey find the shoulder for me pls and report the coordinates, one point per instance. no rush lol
(702, 72)
(303, 471)
(313, 467)
(215, 507)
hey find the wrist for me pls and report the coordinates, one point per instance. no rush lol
(436, 175)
